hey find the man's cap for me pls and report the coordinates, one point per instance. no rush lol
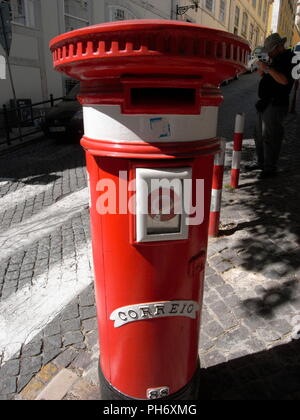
(273, 41)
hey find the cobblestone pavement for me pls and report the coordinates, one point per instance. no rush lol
(252, 293)
(45, 260)
(251, 303)
(33, 180)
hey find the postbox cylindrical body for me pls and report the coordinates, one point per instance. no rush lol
(150, 96)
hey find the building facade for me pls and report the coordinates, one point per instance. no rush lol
(36, 22)
(283, 19)
(250, 20)
(210, 13)
(296, 36)
(246, 18)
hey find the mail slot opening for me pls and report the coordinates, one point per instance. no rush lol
(163, 96)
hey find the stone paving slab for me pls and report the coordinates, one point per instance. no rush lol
(59, 386)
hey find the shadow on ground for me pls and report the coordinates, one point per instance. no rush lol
(265, 306)
(272, 246)
(42, 162)
(268, 375)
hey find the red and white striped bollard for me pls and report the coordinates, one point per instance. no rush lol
(217, 188)
(237, 150)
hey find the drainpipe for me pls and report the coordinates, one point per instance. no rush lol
(229, 20)
(173, 10)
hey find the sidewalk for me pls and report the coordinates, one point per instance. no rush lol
(31, 134)
(251, 302)
(45, 272)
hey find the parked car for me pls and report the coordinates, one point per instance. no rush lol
(252, 63)
(65, 120)
(236, 77)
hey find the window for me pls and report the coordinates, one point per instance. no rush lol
(237, 17)
(259, 7)
(257, 37)
(222, 10)
(209, 4)
(23, 12)
(251, 35)
(116, 13)
(18, 11)
(71, 85)
(265, 11)
(245, 24)
(76, 14)
(119, 14)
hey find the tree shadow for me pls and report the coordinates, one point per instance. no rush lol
(270, 246)
(272, 243)
(233, 228)
(271, 299)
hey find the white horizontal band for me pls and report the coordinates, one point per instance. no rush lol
(239, 123)
(236, 160)
(220, 157)
(106, 122)
(216, 199)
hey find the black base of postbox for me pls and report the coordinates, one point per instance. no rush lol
(188, 393)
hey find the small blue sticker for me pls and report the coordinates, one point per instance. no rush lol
(160, 127)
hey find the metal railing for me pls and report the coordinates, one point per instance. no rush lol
(13, 118)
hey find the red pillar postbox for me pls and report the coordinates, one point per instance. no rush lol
(150, 95)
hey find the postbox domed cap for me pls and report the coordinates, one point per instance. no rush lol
(149, 46)
(140, 26)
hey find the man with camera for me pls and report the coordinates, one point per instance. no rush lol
(274, 91)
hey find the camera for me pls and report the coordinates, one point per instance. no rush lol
(261, 55)
(264, 57)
